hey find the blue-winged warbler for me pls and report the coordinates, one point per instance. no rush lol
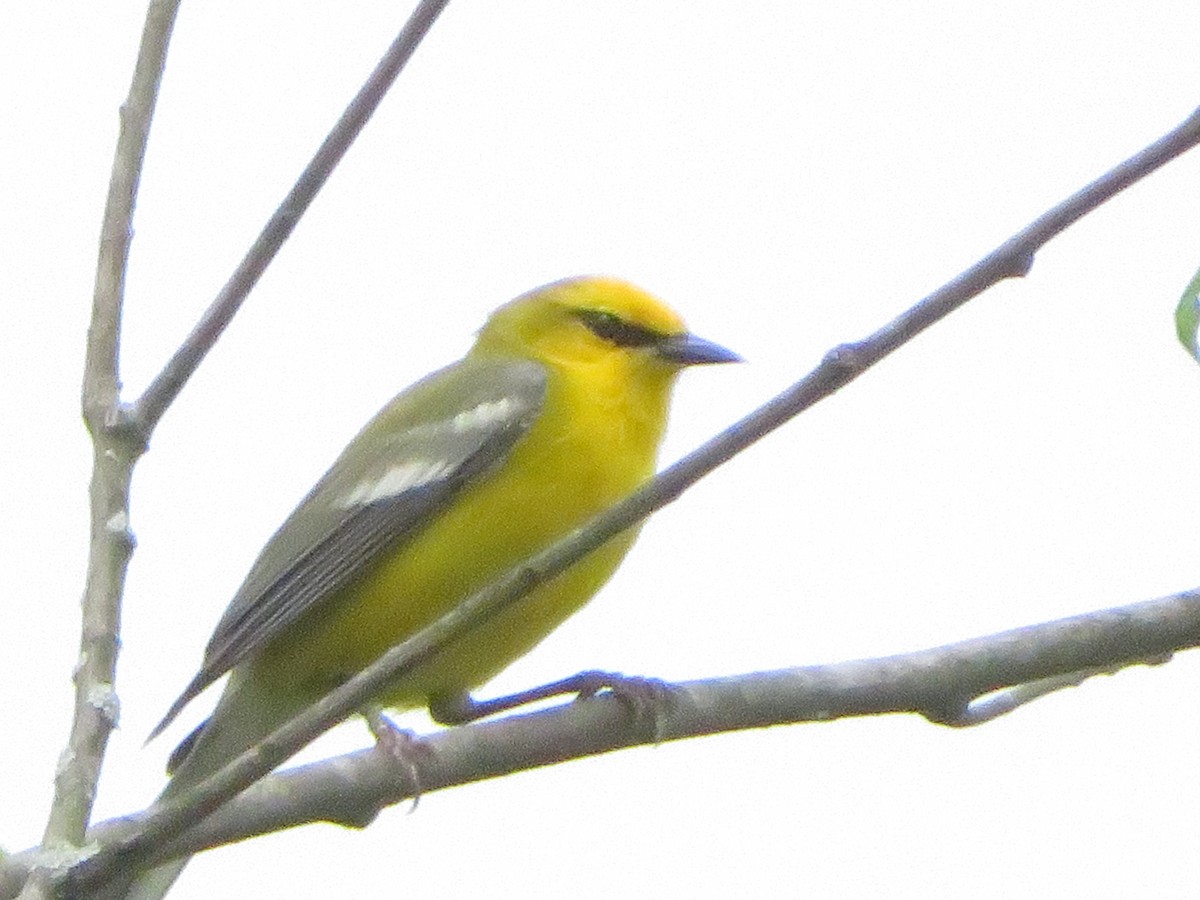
(555, 413)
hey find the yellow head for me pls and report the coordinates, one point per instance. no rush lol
(600, 321)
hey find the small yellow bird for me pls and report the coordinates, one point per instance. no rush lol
(555, 414)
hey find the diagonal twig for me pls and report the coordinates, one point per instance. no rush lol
(149, 408)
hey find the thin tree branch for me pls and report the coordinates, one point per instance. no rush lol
(149, 408)
(939, 683)
(841, 365)
(114, 449)
(119, 432)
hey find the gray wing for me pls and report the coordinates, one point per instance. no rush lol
(441, 434)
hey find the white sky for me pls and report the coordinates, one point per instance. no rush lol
(788, 175)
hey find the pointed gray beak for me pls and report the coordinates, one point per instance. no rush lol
(689, 350)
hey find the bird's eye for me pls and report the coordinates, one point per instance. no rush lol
(615, 330)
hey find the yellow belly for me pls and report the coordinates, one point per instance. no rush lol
(536, 496)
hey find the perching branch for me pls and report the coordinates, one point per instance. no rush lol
(166, 822)
(941, 683)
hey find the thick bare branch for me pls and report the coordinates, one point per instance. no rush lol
(940, 683)
(115, 449)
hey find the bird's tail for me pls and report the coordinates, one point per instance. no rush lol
(247, 712)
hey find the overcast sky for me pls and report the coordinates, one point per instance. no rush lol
(789, 176)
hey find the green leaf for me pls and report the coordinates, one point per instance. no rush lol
(1187, 317)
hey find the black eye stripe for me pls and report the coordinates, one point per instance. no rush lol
(616, 330)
